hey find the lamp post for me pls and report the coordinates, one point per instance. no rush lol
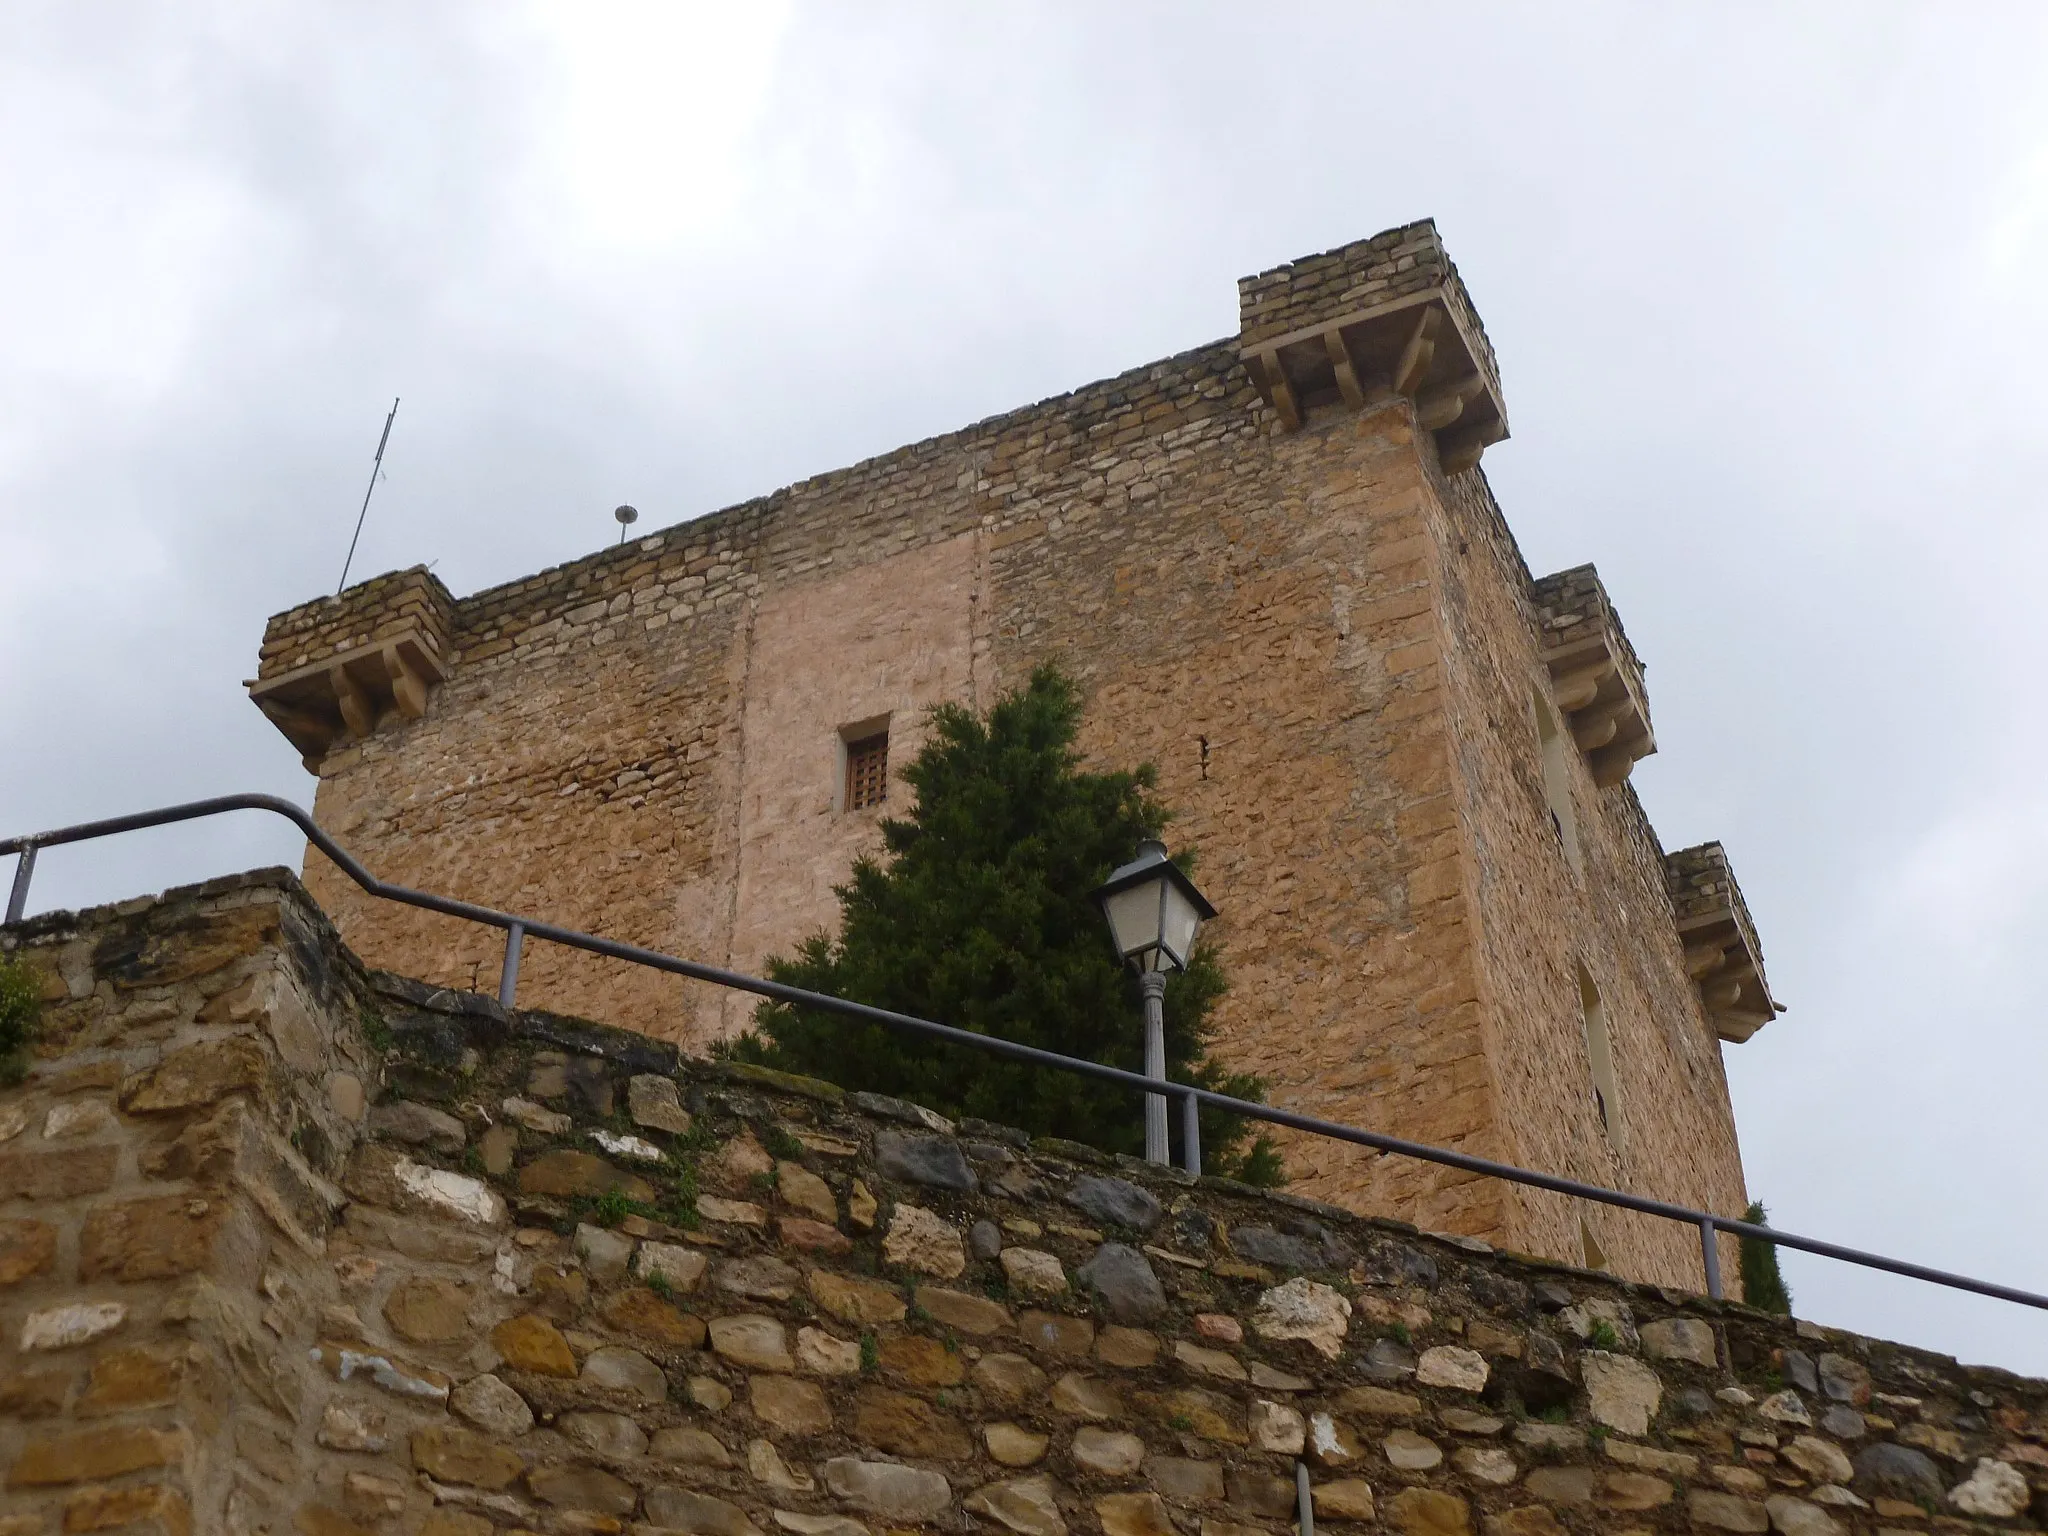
(1154, 912)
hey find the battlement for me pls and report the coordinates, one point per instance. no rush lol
(341, 666)
(1722, 953)
(1371, 321)
(1595, 671)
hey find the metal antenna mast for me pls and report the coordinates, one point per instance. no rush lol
(375, 469)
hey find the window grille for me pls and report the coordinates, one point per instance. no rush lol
(867, 772)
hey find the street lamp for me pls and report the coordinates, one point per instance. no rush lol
(1154, 911)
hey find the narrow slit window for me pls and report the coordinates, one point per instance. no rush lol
(1557, 752)
(1600, 1058)
(867, 771)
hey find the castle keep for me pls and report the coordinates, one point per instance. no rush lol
(1275, 566)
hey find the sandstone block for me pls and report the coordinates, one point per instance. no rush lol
(94, 1455)
(1133, 1514)
(1726, 1512)
(58, 1175)
(1332, 1443)
(77, 1117)
(455, 1522)
(766, 1466)
(1630, 1492)
(124, 1379)
(493, 1407)
(679, 1266)
(26, 1248)
(852, 1300)
(537, 1118)
(917, 1361)
(1561, 1485)
(756, 1342)
(567, 1175)
(688, 1446)
(198, 1075)
(818, 1525)
(1026, 1505)
(758, 1277)
(638, 1311)
(1033, 1272)
(788, 1406)
(1217, 1364)
(605, 1254)
(684, 1509)
(804, 1191)
(1681, 1338)
(1056, 1334)
(823, 1354)
(68, 1326)
(1185, 1480)
(583, 1488)
(418, 1125)
(531, 1343)
(1426, 1512)
(1115, 1202)
(425, 1309)
(806, 1236)
(1220, 1326)
(1348, 1498)
(1624, 1393)
(1131, 1349)
(1108, 1453)
(908, 1426)
(1306, 1310)
(452, 1454)
(1009, 1379)
(654, 1103)
(148, 1509)
(1276, 1427)
(1529, 1520)
(1486, 1464)
(607, 1434)
(970, 1314)
(617, 1369)
(1196, 1411)
(1409, 1452)
(1450, 1365)
(1011, 1445)
(908, 1494)
(928, 1243)
(1085, 1397)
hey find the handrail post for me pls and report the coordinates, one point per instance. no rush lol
(1710, 1251)
(1304, 1500)
(1191, 1133)
(508, 979)
(24, 868)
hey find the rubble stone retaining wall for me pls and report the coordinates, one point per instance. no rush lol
(287, 1246)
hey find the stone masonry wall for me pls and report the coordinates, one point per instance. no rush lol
(286, 1246)
(1287, 624)
(399, 602)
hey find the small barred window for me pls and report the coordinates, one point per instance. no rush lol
(867, 772)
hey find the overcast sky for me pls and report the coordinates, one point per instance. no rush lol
(1766, 283)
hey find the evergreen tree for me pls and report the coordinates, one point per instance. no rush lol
(978, 915)
(1762, 1286)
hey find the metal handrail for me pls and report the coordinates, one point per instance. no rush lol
(519, 929)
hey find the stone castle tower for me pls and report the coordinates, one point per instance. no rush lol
(1277, 569)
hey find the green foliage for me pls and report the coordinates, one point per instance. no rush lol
(781, 1144)
(1762, 1286)
(870, 1354)
(1604, 1336)
(659, 1284)
(612, 1208)
(978, 915)
(21, 1005)
(376, 1033)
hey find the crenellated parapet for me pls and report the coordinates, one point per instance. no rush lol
(1595, 673)
(1372, 321)
(341, 667)
(1722, 955)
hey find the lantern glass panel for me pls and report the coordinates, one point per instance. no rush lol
(1133, 915)
(1178, 925)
